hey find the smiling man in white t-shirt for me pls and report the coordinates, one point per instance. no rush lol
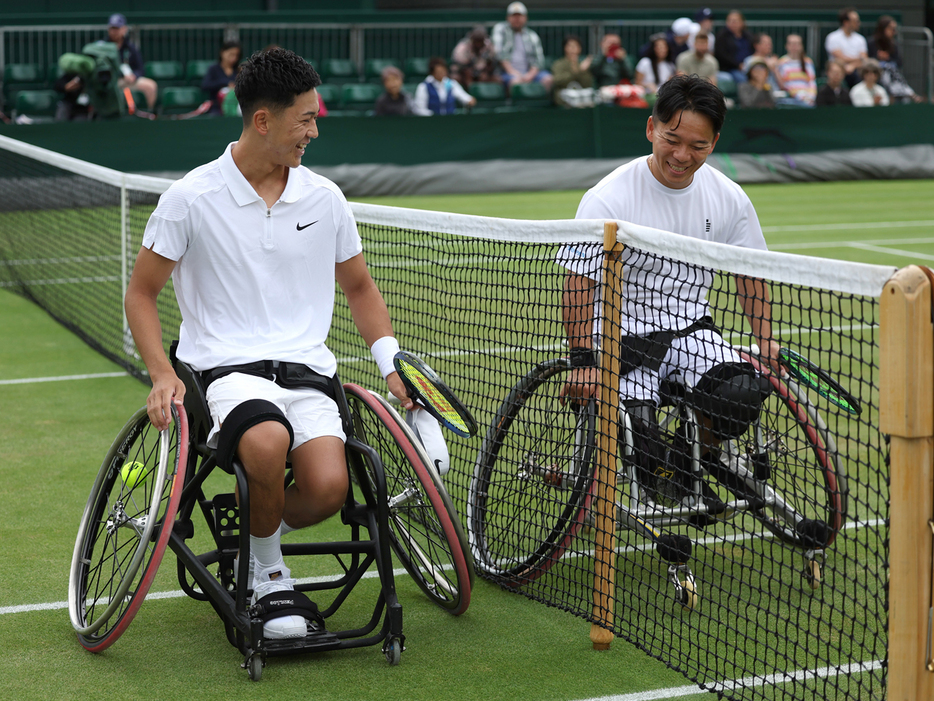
(665, 318)
(254, 243)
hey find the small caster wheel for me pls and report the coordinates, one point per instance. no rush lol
(393, 651)
(254, 664)
(813, 573)
(689, 594)
(685, 589)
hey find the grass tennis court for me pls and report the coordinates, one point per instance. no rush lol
(54, 435)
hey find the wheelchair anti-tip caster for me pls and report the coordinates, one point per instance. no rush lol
(254, 663)
(813, 568)
(685, 586)
(393, 648)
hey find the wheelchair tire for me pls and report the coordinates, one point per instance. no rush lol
(806, 475)
(532, 481)
(125, 529)
(425, 532)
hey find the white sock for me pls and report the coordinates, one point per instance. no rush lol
(285, 528)
(266, 551)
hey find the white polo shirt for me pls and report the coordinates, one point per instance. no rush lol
(253, 283)
(851, 46)
(661, 293)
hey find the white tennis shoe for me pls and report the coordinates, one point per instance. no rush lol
(269, 581)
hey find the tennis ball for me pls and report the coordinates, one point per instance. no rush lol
(133, 474)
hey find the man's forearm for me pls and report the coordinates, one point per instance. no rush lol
(757, 307)
(577, 310)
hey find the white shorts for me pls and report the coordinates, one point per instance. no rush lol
(689, 356)
(312, 413)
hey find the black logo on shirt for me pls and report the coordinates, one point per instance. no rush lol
(299, 227)
(708, 226)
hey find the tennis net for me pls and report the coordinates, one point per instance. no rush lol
(786, 521)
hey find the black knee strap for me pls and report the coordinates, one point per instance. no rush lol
(730, 395)
(242, 418)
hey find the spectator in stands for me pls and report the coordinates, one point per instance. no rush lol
(847, 45)
(796, 75)
(610, 68)
(699, 61)
(131, 60)
(834, 91)
(519, 49)
(883, 47)
(677, 36)
(74, 105)
(219, 79)
(703, 22)
(438, 94)
(571, 70)
(394, 101)
(756, 91)
(474, 59)
(762, 53)
(653, 70)
(733, 45)
(869, 93)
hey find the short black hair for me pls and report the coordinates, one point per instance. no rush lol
(691, 93)
(230, 45)
(435, 61)
(844, 14)
(273, 79)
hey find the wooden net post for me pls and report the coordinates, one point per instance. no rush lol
(601, 632)
(906, 412)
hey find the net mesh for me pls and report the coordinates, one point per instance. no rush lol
(779, 495)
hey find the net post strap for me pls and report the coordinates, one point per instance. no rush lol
(601, 634)
(906, 412)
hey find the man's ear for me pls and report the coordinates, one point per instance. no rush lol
(716, 138)
(649, 129)
(261, 121)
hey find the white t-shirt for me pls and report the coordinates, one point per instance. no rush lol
(660, 293)
(666, 69)
(253, 283)
(851, 46)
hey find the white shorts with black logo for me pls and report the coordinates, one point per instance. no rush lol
(312, 414)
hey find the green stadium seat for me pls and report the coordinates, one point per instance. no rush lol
(727, 85)
(373, 68)
(415, 68)
(338, 71)
(195, 71)
(166, 73)
(331, 94)
(359, 97)
(179, 99)
(410, 88)
(489, 95)
(22, 76)
(530, 95)
(36, 103)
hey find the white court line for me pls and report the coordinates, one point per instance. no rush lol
(891, 251)
(30, 380)
(845, 226)
(399, 572)
(747, 682)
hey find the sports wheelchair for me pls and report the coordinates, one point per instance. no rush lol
(151, 485)
(534, 478)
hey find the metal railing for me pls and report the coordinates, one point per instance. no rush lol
(358, 42)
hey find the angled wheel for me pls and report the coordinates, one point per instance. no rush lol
(788, 461)
(426, 533)
(125, 528)
(533, 476)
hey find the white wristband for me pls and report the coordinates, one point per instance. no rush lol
(383, 350)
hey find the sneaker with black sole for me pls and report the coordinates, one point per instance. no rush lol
(270, 581)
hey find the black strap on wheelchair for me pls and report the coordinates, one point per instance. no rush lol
(287, 603)
(649, 351)
(242, 418)
(284, 374)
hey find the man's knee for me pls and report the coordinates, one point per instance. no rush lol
(255, 428)
(730, 395)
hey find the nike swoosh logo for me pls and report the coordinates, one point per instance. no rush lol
(299, 227)
(438, 466)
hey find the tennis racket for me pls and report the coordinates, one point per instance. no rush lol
(810, 375)
(425, 387)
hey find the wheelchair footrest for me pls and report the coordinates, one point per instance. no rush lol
(316, 640)
(226, 521)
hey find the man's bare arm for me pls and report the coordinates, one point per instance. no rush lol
(754, 298)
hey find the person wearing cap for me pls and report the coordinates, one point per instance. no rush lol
(703, 22)
(756, 91)
(868, 92)
(474, 59)
(131, 60)
(519, 49)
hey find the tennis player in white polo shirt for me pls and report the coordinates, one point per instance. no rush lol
(254, 243)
